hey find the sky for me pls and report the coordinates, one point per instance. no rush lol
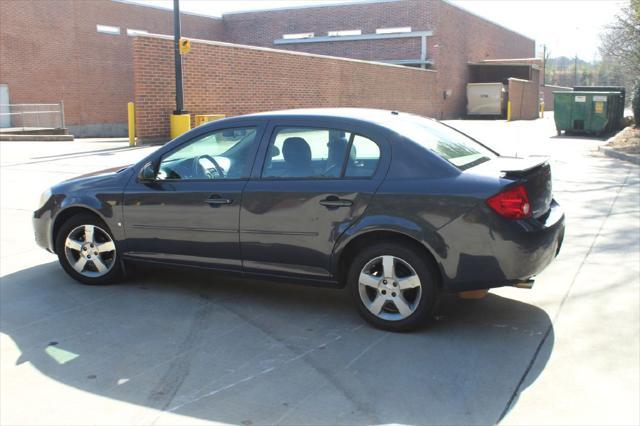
(566, 27)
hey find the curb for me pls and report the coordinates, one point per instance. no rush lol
(36, 138)
(611, 152)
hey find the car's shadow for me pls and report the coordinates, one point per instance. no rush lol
(249, 352)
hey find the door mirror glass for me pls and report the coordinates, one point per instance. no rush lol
(147, 173)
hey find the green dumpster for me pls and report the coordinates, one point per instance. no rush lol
(588, 112)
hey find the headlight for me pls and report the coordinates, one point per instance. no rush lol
(44, 197)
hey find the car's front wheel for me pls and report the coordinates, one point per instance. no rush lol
(393, 287)
(87, 251)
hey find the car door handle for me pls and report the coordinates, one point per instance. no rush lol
(216, 201)
(336, 202)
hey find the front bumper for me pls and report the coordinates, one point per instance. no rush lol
(42, 223)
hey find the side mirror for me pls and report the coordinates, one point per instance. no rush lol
(147, 173)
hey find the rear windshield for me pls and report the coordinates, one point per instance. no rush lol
(458, 149)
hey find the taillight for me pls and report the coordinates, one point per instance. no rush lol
(512, 203)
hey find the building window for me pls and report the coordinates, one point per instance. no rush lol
(108, 29)
(297, 35)
(344, 33)
(132, 32)
(393, 30)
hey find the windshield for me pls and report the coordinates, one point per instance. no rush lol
(458, 149)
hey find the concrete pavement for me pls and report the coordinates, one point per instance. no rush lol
(591, 293)
(176, 347)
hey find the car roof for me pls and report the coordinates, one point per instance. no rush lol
(367, 115)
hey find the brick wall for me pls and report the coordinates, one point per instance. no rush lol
(50, 51)
(261, 28)
(462, 37)
(459, 37)
(233, 79)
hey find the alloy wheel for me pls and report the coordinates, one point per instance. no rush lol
(90, 250)
(389, 288)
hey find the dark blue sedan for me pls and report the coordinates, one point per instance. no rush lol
(397, 207)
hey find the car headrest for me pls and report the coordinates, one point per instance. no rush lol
(296, 150)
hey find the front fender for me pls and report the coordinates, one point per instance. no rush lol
(107, 207)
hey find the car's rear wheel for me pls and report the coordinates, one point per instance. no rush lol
(87, 251)
(394, 287)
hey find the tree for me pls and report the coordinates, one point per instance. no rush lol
(636, 104)
(620, 43)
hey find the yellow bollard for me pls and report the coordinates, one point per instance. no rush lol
(508, 110)
(180, 123)
(132, 123)
(541, 109)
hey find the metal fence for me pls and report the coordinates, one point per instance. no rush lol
(31, 116)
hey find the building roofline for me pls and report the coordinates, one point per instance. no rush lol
(153, 6)
(284, 52)
(512, 59)
(500, 64)
(503, 64)
(309, 6)
(486, 19)
(360, 37)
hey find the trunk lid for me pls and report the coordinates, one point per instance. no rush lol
(533, 172)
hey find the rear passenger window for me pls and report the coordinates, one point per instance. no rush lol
(363, 158)
(306, 153)
(317, 153)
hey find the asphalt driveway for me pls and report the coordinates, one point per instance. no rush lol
(189, 347)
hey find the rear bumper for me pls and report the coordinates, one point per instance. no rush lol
(515, 251)
(534, 245)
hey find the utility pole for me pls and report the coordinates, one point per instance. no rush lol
(180, 121)
(177, 57)
(544, 64)
(575, 70)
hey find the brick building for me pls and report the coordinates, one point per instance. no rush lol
(82, 52)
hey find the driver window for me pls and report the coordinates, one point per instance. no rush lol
(223, 154)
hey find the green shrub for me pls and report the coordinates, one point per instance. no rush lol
(635, 104)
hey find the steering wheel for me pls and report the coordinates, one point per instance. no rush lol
(199, 169)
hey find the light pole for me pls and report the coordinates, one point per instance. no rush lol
(177, 57)
(180, 121)
(575, 61)
(544, 64)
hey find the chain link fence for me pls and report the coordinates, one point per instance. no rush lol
(23, 117)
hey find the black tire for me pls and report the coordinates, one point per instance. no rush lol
(114, 274)
(423, 268)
